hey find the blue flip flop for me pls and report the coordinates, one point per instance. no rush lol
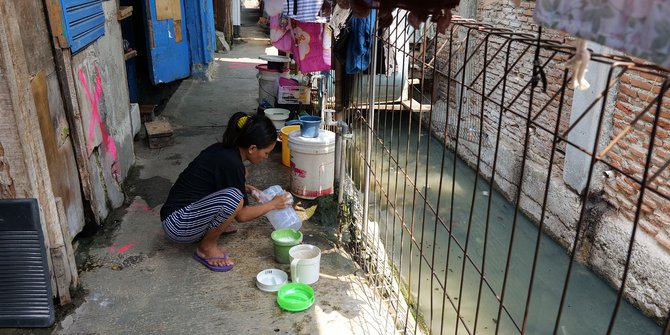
(203, 261)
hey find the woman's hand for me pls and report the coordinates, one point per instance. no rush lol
(280, 201)
(250, 189)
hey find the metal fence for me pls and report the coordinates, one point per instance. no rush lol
(480, 184)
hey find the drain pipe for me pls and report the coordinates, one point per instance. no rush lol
(342, 128)
(343, 135)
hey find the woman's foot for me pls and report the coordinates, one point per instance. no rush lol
(230, 229)
(216, 256)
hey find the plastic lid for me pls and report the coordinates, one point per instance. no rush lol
(326, 137)
(270, 280)
(295, 297)
(275, 58)
(286, 237)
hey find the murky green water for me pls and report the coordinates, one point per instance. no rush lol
(589, 303)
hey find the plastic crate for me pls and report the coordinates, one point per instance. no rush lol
(293, 95)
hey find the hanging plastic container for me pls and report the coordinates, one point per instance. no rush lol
(312, 164)
(267, 84)
(279, 218)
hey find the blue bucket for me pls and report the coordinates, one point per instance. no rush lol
(309, 126)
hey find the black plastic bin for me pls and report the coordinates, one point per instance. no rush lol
(25, 286)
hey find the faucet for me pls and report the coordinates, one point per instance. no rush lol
(342, 127)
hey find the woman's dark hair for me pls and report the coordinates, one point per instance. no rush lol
(246, 130)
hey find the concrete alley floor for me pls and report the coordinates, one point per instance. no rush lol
(136, 281)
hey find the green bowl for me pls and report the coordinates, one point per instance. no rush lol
(295, 297)
(286, 237)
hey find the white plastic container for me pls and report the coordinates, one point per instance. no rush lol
(267, 84)
(305, 263)
(277, 115)
(280, 218)
(312, 164)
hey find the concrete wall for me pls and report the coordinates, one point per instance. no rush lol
(106, 121)
(610, 209)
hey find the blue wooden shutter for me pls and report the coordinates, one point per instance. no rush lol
(84, 22)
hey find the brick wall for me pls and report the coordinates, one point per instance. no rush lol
(636, 91)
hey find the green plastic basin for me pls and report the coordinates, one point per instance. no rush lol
(295, 297)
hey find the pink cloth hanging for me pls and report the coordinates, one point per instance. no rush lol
(280, 33)
(638, 27)
(312, 46)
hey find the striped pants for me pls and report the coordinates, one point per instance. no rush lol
(189, 224)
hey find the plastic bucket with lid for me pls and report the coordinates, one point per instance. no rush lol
(312, 164)
(284, 240)
(309, 126)
(285, 151)
(267, 84)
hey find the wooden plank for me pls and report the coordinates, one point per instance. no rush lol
(130, 54)
(383, 106)
(147, 113)
(177, 31)
(160, 142)
(71, 271)
(63, 60)
(56, 22)
(124, 12)
(158, 128)
(61, 274)
(415, 106)
(168, 9)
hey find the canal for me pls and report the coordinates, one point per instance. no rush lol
(436, 262)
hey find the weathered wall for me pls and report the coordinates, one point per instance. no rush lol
(102, 95)
(13, 172)
(611, 207)
(34, 162)
(35, 39)
(49, 106)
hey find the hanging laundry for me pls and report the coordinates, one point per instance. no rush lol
(638, 27)
(439, 11)
(312, 46)
(273, 7)
(360, 43)
(308, 10)
(280, 33)
(579, 63)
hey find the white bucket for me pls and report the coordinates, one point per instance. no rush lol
(267, 84)
(312, 164)
(305, 263)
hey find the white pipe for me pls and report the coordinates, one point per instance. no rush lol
(371, 122)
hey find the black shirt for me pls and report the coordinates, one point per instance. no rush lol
(215, 168)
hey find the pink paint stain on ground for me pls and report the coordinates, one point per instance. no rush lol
(143, 206)
(126, 247)
(236, 65)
